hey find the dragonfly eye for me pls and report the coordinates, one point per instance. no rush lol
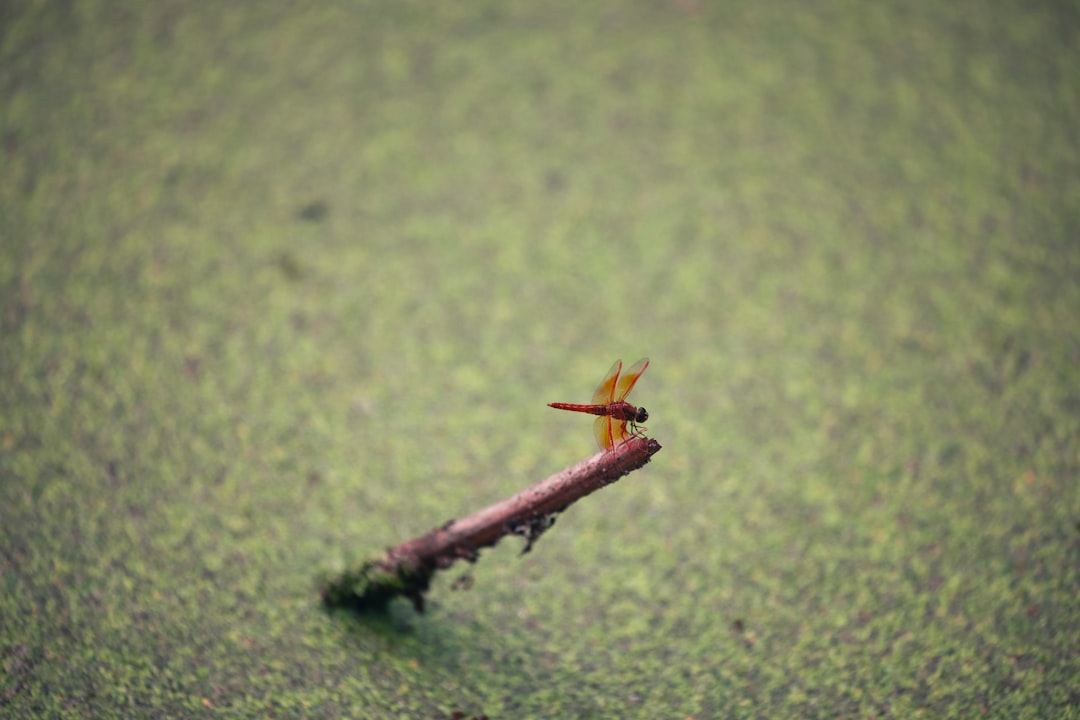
(641, 416)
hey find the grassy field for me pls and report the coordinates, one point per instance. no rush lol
(281, 286)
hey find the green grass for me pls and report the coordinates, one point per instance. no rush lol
(281, 288)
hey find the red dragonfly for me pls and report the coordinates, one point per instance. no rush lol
(609, 402)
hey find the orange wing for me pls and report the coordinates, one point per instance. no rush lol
(605, 391)
(604, 427)
(604, 430)
(626, 382)
(609, 431)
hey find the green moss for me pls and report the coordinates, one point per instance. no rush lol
(279, 290)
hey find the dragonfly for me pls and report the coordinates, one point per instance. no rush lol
(609, 403)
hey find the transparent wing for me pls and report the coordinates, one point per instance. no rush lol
(607, 431)
(606, 390)
(626, 382)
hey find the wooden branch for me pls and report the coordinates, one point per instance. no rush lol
(408, 568)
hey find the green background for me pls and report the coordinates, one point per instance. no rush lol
(285, 284)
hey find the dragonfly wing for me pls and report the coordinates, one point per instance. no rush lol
(626, 382)
(619, 432)
(606, 430)
(605, 392)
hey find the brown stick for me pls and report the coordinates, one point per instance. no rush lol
(408, 568)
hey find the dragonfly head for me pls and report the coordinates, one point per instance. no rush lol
(642, 415)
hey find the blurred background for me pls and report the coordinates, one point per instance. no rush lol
(284, 285)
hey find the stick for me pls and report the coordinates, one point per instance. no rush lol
(408, 568)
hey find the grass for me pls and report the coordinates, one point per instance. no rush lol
(282, 287)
